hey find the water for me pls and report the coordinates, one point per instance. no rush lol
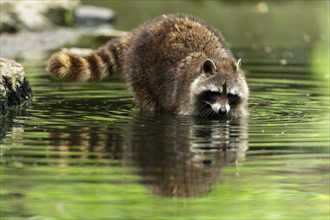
(83, 151)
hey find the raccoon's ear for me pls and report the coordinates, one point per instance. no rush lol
(238, 68)
(238, 64)
(209, 66)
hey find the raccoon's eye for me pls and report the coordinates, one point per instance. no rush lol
(232, 99)
(210, 97)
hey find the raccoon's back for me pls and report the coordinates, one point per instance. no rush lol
(170, 38)
(159, 47)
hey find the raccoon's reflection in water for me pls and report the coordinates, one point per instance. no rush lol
(175, 156)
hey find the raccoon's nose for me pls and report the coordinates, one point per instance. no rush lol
(222, 111)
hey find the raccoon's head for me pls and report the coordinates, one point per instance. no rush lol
(220, 89)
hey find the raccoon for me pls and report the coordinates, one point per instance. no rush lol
(173, 63)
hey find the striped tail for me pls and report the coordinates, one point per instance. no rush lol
(96, 66)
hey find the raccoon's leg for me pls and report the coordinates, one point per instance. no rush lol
(144, 98)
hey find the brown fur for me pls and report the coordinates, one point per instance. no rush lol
(96, 66)
(160, 61)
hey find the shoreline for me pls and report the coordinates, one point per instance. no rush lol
(34, 42)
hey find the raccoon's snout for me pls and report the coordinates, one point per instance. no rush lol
(222, 111)
(217, 108)
(220, 103)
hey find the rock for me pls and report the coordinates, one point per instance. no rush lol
(37, 44)
(34, 15)
(109, 33)
(90, 15)
(77, 51)
(14, 87)
(103, 35)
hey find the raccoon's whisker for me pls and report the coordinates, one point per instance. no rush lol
(210, 113)
(204, 113)
(213, 113)
(205, 106)
(205, 110)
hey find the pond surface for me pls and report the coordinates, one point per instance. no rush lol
(83, 151)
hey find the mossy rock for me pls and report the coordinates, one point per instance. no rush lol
(35, 16)
(14, 87)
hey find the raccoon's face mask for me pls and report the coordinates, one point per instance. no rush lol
(220, 87)
(220, 103)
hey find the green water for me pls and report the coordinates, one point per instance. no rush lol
(83, 151)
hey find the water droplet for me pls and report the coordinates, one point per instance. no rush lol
(283, 62)
(263, 7)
